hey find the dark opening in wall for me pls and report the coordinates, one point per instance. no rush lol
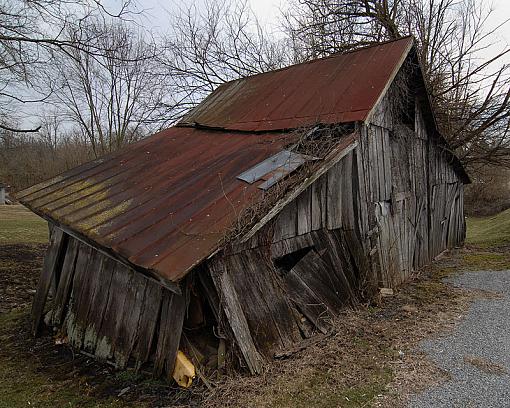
(285, 263)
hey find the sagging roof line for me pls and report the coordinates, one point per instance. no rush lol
(337, 89)
(309, 128)
(330, 56)
(343, 148)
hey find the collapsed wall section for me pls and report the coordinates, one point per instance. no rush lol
(107, 309)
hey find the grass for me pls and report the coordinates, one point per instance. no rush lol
(24, 383)
(19, 225)
(361, 366)
(356, 367)
(489, 231)
(318, 389)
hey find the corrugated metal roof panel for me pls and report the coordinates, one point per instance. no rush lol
(163, 203)
(281, 164)
(166, 202)
(340, 88)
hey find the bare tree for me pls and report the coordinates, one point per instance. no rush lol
(115, 96)
(31, 34)
(215, 43)
(28, 158)
(470, 94)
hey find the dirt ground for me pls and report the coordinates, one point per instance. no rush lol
(37, 372)
(370, 358)
(17, 278)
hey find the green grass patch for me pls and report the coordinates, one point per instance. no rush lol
(24, 384)
(486, 260)
(20, 226)
(20, 387)
(320, 389)
(489, 231)
(470, 259)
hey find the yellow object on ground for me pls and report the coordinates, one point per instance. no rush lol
(184, 371)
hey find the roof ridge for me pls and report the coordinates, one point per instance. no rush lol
(330, 56)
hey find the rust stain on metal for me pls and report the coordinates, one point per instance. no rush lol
(166, 202)
(163, 203)
(337, 89)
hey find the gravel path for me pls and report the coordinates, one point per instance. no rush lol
(477, 353)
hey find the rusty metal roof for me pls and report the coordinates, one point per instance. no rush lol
(163, 203)
(336, 89)
(166, 202)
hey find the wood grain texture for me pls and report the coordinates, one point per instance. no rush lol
(235, 315)
(51, 266)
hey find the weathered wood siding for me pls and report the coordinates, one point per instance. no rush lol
(414, 198)
(385, 209)
(107, 309)
(389, 205)
(267, 298)
(328, 203)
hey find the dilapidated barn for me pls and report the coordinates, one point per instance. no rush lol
(281, 199)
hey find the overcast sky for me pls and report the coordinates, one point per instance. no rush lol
(268, 11)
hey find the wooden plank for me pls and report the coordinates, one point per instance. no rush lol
(64, 287)
(348, 196)
(74, 330)
(52, 262)
(281, 248)
(313, 272)
(116, 297)
(373, 166)
(98, 301)
(387, 164)
(127, 330)
(398, 231)
(341, 274)
(363, 277)
(304, 212)
(173, 309)
(305, 299)
(267, 309)
(382, 114)
(286, 223)
(82, 300)
(362, 193)
(149, 317)
(235, 315)
(319, 205)
(381, 176)
(334, 197)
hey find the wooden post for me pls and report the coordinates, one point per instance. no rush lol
(51, 262)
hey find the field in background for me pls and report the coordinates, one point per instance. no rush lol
(35, 373)
(21, 226)
(359, 365)
(489, 231)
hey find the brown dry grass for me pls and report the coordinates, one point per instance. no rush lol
(485, 365)
(371, 358)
